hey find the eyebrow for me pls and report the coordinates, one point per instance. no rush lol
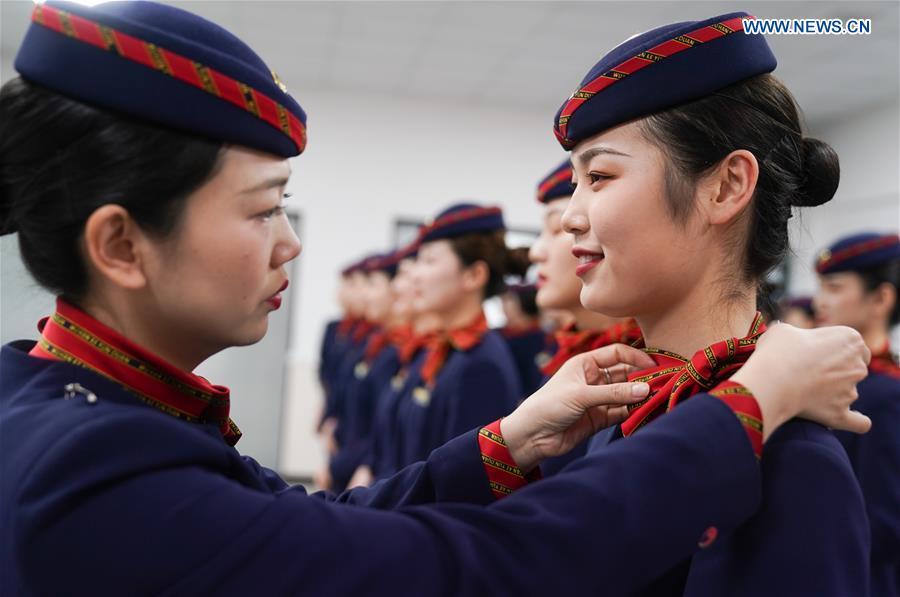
(587, 155)
(272, 183)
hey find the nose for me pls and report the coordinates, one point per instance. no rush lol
(574, 220)
(538, 251)
(287, 247)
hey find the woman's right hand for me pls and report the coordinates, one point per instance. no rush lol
(807, 373)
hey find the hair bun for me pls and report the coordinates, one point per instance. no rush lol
(821, 173)
(7, 225)
(517, 262)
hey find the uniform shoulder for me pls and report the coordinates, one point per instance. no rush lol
(800, 439)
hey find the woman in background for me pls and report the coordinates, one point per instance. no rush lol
(559, 290)
(859, 283)
(466, 373)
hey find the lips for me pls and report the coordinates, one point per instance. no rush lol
(587, 260)
(275, 299)
(541, 280)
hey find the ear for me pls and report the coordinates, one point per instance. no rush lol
(476, 276)
(727, 191)
(884, 297)
(112, 241)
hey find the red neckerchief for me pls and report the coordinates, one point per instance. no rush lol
(346, 325)
(570, 342)
(439, 347)
(73, 336)
(884, 362)
(675, 378)
(408, 350)
(375, 344)
(517, 332)
(362, 330)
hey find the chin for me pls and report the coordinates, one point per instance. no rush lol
(603, 303)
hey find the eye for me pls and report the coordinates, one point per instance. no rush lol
(270, 213)
(596, 177)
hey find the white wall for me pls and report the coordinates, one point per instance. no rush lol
(868, 197)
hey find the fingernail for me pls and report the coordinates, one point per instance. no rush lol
(639, 389)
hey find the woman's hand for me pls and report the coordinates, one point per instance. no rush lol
(807, 373)
(579, 400)
(362, 477)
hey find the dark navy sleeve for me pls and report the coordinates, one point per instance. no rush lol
(876, 459)
(811, 536)
(185, 527)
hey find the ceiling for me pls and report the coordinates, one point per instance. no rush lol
(526, 55)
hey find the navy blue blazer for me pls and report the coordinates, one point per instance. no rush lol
(525, 348)
(116, 497)
(472, 389)
(875, 457)
(361, 394)
(326, 350)
(810, 537)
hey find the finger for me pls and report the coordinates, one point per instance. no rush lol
(615, 354)
(613, 394)
(855, 422)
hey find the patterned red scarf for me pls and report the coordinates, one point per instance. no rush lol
(884, 362)
(444, 342)
(571, 342)
(73, 336)
(676, 378)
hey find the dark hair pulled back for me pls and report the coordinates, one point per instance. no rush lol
(490, 247)
(761, 116)
(61, 159)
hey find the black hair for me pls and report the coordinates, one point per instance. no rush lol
(884, 273)
(761, 116)
(490, 247)
(527, 298)
(61, 159)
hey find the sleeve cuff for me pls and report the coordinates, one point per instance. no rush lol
(741, 401)
(504, 475)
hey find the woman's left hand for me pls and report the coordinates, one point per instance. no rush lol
(589, 392)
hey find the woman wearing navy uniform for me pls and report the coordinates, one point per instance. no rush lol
(559, 289)
(372, 372)
(383, 458)
(143, 157)
(524, 334)
(466, 373)
(688, 158)
(859, 282)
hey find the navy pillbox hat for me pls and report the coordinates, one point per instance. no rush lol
(858, 251)
(556, 184)
(462, 218)
(662, 68)
(163, 65)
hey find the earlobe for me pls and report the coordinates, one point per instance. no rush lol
(111, 240)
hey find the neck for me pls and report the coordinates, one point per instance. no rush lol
(876, 337)
(463, 312)
(129, 320)
(426, 323)
(700, 319)
(589, 320)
